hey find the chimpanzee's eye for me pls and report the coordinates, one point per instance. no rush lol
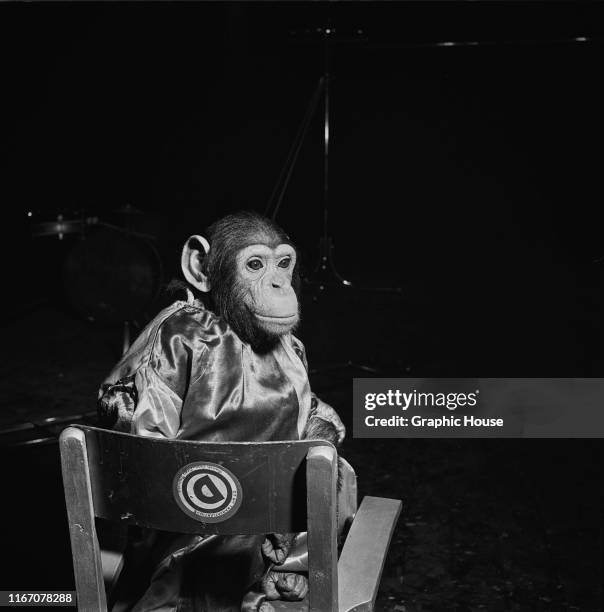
(285, 262)
(254, 264)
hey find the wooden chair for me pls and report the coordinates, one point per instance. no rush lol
(254, 488)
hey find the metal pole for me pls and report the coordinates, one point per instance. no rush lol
(326, 32)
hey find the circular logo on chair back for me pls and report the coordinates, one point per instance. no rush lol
(207, 492)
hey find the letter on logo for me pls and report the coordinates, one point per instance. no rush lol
(207, 492)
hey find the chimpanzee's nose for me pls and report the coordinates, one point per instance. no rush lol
(279, 280)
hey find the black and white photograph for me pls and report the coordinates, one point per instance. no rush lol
(303, 306)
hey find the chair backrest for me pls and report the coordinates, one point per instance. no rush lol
(202, 488)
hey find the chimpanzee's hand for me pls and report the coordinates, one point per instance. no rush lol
(285, 585)
(327, 413)
(276, 546)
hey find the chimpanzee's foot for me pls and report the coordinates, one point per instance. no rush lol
(285, 585)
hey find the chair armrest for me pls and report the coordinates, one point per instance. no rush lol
(362, 558)
(112, 562)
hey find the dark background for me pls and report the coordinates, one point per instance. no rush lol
(466, 175)
(469, 176)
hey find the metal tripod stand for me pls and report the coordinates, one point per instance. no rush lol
(325, 274)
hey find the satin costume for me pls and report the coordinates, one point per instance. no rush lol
(189, 376)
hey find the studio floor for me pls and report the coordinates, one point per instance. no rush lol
(491, 525)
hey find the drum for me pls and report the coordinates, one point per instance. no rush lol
(112, 275)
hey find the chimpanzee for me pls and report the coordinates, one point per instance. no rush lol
(223, 365)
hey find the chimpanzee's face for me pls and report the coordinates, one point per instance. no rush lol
(265, 274)
(248, 267)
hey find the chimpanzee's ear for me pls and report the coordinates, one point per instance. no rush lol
(194, 252)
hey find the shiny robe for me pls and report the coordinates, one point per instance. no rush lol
(189, 376)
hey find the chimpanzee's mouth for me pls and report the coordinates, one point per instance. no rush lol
(274, 319)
